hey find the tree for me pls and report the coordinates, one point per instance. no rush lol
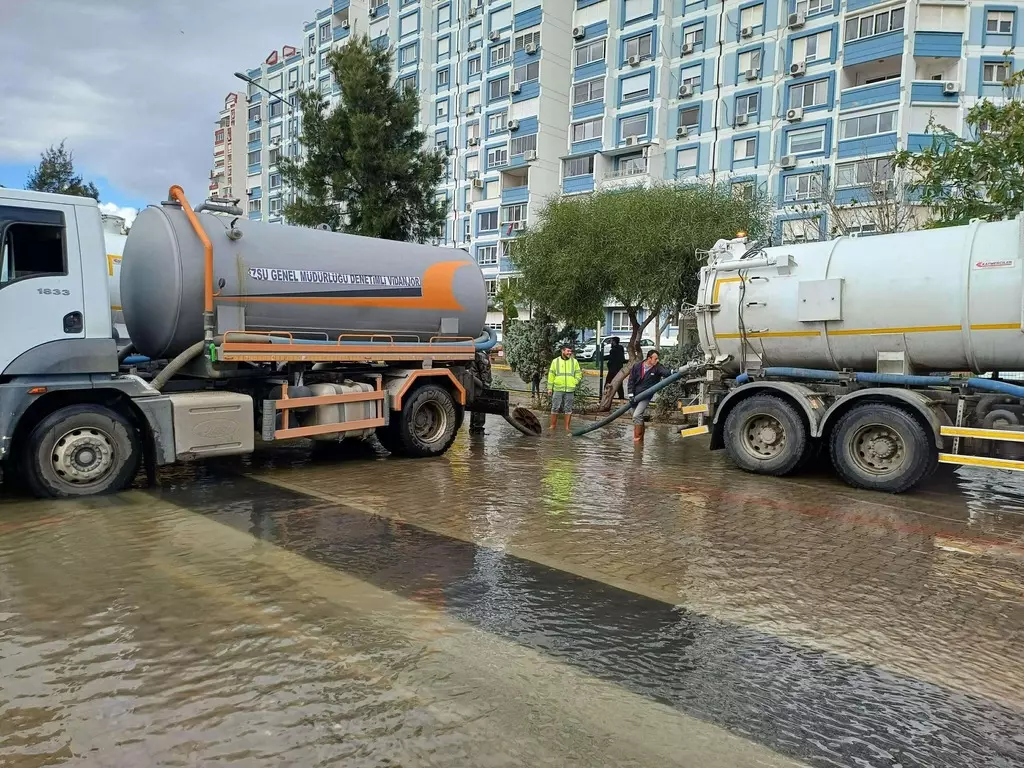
(530, 346)
(56, 173)
(506, 301)
(365, 170)
(637, 248)
(978, 177)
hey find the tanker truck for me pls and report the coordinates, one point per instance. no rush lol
(233, 330)
(883, 353)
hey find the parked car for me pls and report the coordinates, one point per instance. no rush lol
(588, 352)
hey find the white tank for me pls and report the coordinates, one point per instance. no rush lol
(115, 252)
(937, 300)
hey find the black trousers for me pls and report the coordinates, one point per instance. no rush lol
(620, 392)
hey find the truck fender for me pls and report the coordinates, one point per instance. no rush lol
(807, 400)
(916, 402)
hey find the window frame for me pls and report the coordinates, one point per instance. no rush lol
(481, 261)
(480, 217)
(21, 216)
(802, 132)
(1007, 66)
(802, 89)
(507, 80)
(747, 97)
(587, 46)
(642, 116)
(894, 113)
(598, 121)
(629, 41)
(999, 16)
(860, 18)
(503, 45)
(567, 163)
(810, 194)
(589, 84)
(749, 143)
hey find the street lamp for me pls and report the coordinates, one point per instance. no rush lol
(291, 112)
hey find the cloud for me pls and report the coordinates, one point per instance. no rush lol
(134, 87)
(113, 209)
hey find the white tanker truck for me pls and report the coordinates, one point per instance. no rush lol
(870, 349)
(230, 329)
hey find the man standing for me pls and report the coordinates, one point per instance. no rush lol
(481, 369)
(644, 375)
(616, 361)
(564, 376)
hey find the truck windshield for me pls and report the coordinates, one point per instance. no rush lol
(32, 244)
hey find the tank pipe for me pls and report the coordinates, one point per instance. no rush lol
(894, 379)
(177, 194)
(177, 364)
(125, 353)
(482, 343)
(647, 394)
(1001, 387)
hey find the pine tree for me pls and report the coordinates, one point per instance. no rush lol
(56, 173)
(365, 170)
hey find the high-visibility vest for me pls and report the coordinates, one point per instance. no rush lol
(563, 374)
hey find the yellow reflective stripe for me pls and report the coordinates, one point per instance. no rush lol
(985, 434)
(980, 461)
(718, 286)
(768, 335)
(996, 327)
(909, 329)
(694, 409)
(693, 431)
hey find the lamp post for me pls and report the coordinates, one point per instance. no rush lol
(291, 112)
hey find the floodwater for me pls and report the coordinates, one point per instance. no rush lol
(518, 602)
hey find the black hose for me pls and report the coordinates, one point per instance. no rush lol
(647, 394)
(125, 353)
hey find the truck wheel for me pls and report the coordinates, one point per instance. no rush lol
(81, 450)
(765, 434)
(426, 425)
(882, 447)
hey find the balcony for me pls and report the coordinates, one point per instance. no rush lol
(870, 95)
(515, 194)
(576, 185)
(938, 44)
(932, 92)
(873, 48)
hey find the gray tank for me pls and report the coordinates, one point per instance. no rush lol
(310, 282)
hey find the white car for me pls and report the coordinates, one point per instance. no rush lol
(588, 352)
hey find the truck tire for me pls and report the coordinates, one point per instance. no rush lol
(81, 450)
(766, 435)
(882, 447)
(426, 425)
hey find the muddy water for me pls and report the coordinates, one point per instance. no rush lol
(516, 603)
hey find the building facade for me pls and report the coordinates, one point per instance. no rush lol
(800, 100)
(228, 177)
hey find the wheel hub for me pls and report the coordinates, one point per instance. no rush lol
(429, 422)
(764, 437)
(83, 456)
(878, 449)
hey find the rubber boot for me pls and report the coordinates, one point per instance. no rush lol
(638, 434)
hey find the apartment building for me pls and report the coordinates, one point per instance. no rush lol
(797, 99)
(227, 178)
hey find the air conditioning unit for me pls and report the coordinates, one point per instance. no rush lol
(799, 236)
(634, 61)
(472, 45)
(469, 111)
(687, 49)
(796, 20)
(682, 132)
(880, 186)
(797, 68)
(629, 141)
(517, 226)
(578, 33)
(276, 141)
(513, 125)
(516, 88)
(494, 36)
(530, 155)
(747, 32)
(685, 90)
(373, 12)
(740, 120)
(472, 11)
(257, 119)
(951, 87)
(472, 141)
(795, 115)
(468, 207)
(248, 192)
(751, 74)
(787, 161)
(478, 183)
(530, 48)
(474, 174)
(345, 24)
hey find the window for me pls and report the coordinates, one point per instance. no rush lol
(323, 61)
(747, 104)
(870, 24)
(806, 140)
(526, 73)
(492, 288)
(487, 255)
(441, 78)
(467, 229)
(587, 130)
(689, 117)
(325, 85)
(444, 16)
(497, 122)
(633, 126)
(521, 144)
(636, 88)
(620, 321)
(472, 165)
(218, 137)
(254, 158)
(743, 190)
(274, 156)
(801, 230)
(255, 112)
(274, 132)
(312, 71)
(529, 38)
(255, 206)
(311, 45)
(275, 180)
(578, 166)
(501, 19)
(996, 73)
(497, 89)
(293, 77)
(694, 36)
(33, 244)
(407, 25)
(473, 99)
(444, 48)
(441, 140)
(407, 55)
(253, 137)
(441, 109)
(325, 32)
(744, 149)
(686, 159)
(588, 91)
(639, 46)
(500, 54)
(813, 47)
(864, 172)
(513, 214)
(752, 16)
(999, 22)
(808, 95)
(407, 83)
(276, 206)
(274, 83)
(590, 52)
(473, 131)
(802, 186)
(487, 221)
(750, 60)
(635, 9)
(867, 125)
(473, 66)
(862, 229)
(691, 77)
(811, 7)
(275, 108)
(496, 157)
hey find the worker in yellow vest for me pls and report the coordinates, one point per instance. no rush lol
(564, 376)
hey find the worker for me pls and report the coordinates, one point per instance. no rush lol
(481, 370)
(644, 375)
(616, 361)
(564, 375)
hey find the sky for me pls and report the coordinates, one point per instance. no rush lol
(133, 86)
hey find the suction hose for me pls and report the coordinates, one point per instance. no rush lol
(125, 353)
(190, 354)
(647, 394)
(893, 379)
